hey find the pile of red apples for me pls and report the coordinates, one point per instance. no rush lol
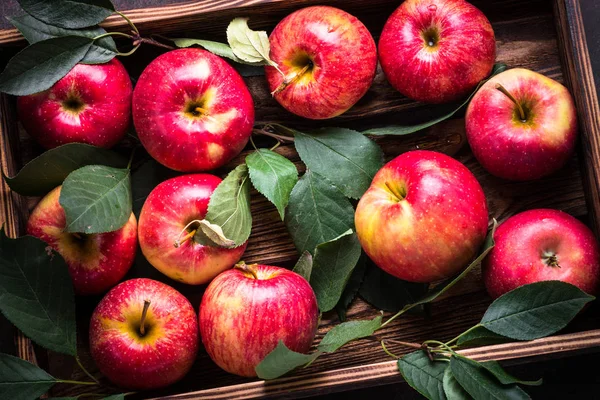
(423, 218)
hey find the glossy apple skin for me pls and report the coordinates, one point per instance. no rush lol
(462, 54)
(159, 358)
(97, 261)
(243, 318)
(511, 149)
(104, 91)
(172, 205)
(523, 244)
(343, 54)
(172, 85)
(435, 229)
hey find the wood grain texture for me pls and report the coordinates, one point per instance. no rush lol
(526, 37)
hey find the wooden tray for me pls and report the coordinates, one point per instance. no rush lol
(544, 36)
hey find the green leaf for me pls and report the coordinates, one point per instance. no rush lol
(274, 176)
(481, 336)
(21, 380)
(229, 207)
(423, 375)
(447, 113)
(332, 266)
(282, 360)
(71, 14)
(345, 157)
(220, 49)
(36, 293)
(102, 50)
(535, 310)
(40, 65)
(248, 45)
(504, 377)
(144, 179)
(346, 332)
(50, 169)
(351, 289)
(304, 265)
(317, 212)
(386, 292)
(479, 383)
(120, 396)
(96, 199)
(452, 388)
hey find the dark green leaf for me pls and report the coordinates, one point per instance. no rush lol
(449, 111)
(50, 169)
(120, 396)
(39, 66)
(479, 383)
(282, 360)
(36, 293)
(351, 289)
(220, 49)
(423, 375)
(102, 50)
(71, 14)
(504, 377)
(21, 380)
(144, 179)
(229, 207)
(452, 388)
(346, 332)
(248, 45)
(481, 336)
(386, 292)
(317, 212)
(274, 176)
(345, 157)
(96, 199)
(535, 310)
(304, 265)
(333, 264)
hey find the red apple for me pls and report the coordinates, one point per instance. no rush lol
(91, 104)
(436, 51)
(140, 349)
(423, 218)
(165, 219)
(247, 310)
(542, 245)
(528, 146)
(192, 111)
(328, 56)
(96, 261)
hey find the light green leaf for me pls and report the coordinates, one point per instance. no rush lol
(333, 264)
(304, 265)
(452, 388)
(282, 360)
(229, 206)
(36, 293)
(317, 212)
(248, 45)
(220, 49)
(346, 332)
(423, 375)
(274, 176)
(96, 199)
(71, 14)
(21, 380)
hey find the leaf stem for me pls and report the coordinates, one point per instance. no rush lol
(512, 98)
(131, 158)
(154, 43)
(399, 313)
(276, 146)
(130, 52)
(178, 242)
(70, 382)
(407, 344)
(85, 370)
(389, 353)
(114, 34)
(448, 343)
(280, 138)
(131, 24)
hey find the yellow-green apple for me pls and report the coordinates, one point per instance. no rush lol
(144, 334)
(91, 104)
(521, 125)
(423, 218)
(542, 245)
(167, 230)
(96, 261)
(192, 111)
(327, 59)
(247, 310)
(436, 51)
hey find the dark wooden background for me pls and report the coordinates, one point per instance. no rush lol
(574, 377)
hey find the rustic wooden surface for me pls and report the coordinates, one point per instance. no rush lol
(526, 37)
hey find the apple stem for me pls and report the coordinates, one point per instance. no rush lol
(143, 319)
(552, 261)
(512, 98)
(179, 241)
(395, 192)
(201, 110)
(291, 78)
(248, 268)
